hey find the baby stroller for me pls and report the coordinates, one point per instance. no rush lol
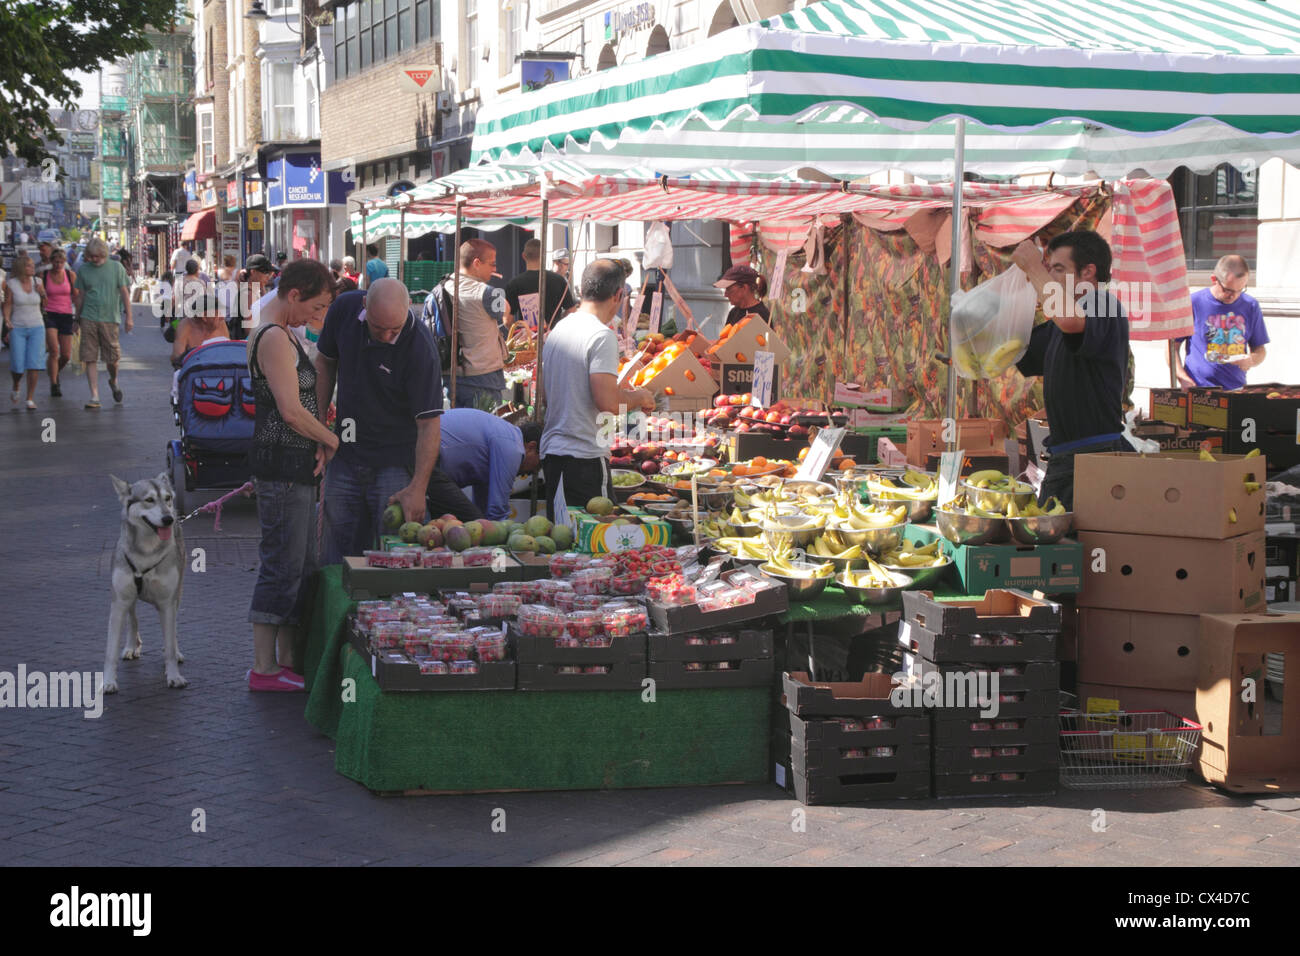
(215, 412)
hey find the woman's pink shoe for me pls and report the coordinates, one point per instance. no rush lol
(284, 680)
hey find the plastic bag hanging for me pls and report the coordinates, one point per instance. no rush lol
(658, 248)
(991, 324)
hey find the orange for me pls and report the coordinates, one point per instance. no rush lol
(803, 453)
(760, 462)
(740, 471)
(848, 464)
(740, 356)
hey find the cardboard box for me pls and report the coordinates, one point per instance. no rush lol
(983, 758)
(1172, 438)
(1216, 408)
(1173, 575)
(738, 379)
(1174, 494)
(973, 459)
(1154, 650)
(948, 731)
(926, 435)
(1253, 745)
(1000, 611)
(743, 447)
(829, 789)
(869, 697)
(850, 395)
(363, 583)
(602, 537)
(1049, 568)
(684, 376)
(860, 418)
(968, 784)
(1136, 699)
(750, 336)
(1280, 450)
(1169, 405)
(674, 675)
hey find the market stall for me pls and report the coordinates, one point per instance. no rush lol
(695, 582)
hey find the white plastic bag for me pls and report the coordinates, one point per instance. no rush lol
(658, 248)
(1144, 445)
(991, 324)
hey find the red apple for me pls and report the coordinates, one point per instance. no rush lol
(772, 417)
(721, 400)
(649, 467)
(739, 400)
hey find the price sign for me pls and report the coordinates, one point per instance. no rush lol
(949, 475)
(764, 366)
(562, 515)
(656, 311)
(1034, 475)
(820, 454)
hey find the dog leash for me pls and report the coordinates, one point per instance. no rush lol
(214, 507)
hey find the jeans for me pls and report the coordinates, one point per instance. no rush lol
(287, 515)
(27, 349)
(1059, 479)
(355, 498)
(479, 391)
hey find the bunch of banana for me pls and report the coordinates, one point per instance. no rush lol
(868, 519)
(783, 568)
(874, 576)
(737, 518)
(911, 556)
(752, 549)
(794, 522)
(1001, 358)
(963, 505)
(711, 528)
(822, 548)
(1034, 510)
(993, 480)
(965, 361)
(917, 487)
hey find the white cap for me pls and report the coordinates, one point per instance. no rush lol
(560, 254)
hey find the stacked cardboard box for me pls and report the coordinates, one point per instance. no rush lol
(989, 675)
(1166, 538)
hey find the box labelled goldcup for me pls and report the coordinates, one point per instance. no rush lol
(1248, 671)
(1169, 405)
(1174, 494)
(1139, 572)
(1158, 649)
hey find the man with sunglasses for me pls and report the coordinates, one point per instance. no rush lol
(1228, 334)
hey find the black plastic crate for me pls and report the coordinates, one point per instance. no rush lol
(1033, 703)
(999, 612)
(675, 675)
(948, 731)
(1002, 758)
(622, 675)
(869, 697)
(677, 619)
(974, 785)
(393, 671)
(987, 648)
(824, 789)
(829, 732)
(749, 644)
(906, 757)
(1013, 676)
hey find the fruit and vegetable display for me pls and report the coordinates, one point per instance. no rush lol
(736, 413)
(441, 634)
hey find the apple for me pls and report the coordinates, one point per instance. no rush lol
(721, 400)
(738, 400)
(772, 417)
(786, 420)
(798, 431)
(649, 467)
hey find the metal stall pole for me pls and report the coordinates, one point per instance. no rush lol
(541, 333)
(954, 264)
(455, 299)
(401, 243)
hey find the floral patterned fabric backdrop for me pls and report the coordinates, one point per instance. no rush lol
(887, 324)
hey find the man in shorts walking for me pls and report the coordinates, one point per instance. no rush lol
(101, 285)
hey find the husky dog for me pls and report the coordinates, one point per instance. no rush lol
(148, 565)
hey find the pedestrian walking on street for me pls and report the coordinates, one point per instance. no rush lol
(376, 268)
(291, 448)
(24, 303)
(60, 318)
(99, 287)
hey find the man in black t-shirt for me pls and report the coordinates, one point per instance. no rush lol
(1081, 352)
(522, 290)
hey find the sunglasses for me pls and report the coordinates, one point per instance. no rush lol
(1230, 291)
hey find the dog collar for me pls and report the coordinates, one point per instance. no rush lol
(139, 575)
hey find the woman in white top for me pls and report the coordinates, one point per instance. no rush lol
(23, 308)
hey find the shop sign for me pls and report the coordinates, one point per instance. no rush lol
(619, 23)
(256, 220)
(535, 74)
(232, 196)
(191, 185)
(193, 205)
(209, 197)
(300, 182)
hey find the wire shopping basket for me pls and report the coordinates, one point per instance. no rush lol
(1126, 750)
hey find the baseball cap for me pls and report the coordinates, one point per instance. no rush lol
(744, 274)
(560, 255)
(281, 256)
(258, 262)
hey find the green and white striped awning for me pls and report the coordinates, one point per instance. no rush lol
(850, 87)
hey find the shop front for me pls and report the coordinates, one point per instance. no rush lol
(302, 202)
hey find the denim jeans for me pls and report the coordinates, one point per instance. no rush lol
(478, 391)
(355, 498)
(287, 514)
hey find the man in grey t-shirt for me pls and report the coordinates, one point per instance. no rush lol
(580, 379)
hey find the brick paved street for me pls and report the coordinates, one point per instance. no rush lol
(122, 789)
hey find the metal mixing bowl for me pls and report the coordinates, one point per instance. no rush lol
(962, 528)
(918, 509)
(875, 540)
(996, 500)
(800, 589)
(921, 577)
(777, 535)
(1041, 529)
(874, 595)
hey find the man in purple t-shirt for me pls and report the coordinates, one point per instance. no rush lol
(1228, 335)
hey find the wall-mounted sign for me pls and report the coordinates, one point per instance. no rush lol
(300, 182)
(191, 185)
(209, 197)
(256, 220)
(420, 79)
(232, 196)
(535, 74)
(618, 23)
(193, 205)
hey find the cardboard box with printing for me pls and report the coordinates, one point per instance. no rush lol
(1138, 572)
(1136, 647)
(1131, 699)
(1173, 493)
(1250, 665)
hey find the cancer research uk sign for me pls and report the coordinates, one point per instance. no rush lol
(300, 182)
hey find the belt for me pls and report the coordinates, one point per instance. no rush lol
(1070, 447)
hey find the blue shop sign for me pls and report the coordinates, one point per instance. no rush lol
(300, 182)
(191, 185)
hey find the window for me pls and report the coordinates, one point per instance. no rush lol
(280, 6)
(206, 160)
(207, 55)
(469, 72)
(405, 24)
(514, 36)
(282, 125)
(313, 111)
(368, 32)
(1218, 212)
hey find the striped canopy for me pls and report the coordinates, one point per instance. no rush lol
(850, 87)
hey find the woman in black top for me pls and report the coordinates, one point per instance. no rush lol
(291, 446)
(744, 289)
